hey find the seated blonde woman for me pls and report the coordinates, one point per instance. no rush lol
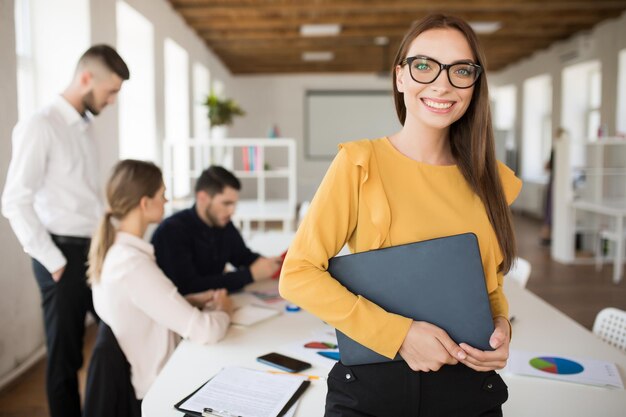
(130, 292)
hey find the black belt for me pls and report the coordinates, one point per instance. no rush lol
(71, 240)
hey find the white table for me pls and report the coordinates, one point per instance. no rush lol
(616, 209)
(538, 327)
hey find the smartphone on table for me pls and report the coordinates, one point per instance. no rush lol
(284, 363)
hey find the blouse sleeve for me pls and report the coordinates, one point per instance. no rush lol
(510, 183)
(330, 222)
(152, 292)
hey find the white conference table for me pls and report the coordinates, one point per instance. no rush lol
(538, 327)
(612, 208)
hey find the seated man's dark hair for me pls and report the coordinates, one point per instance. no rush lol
(215, 178)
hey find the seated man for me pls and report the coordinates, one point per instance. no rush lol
(193, 246)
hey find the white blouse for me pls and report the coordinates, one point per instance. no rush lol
(146, 312)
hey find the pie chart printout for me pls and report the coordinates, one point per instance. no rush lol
(556, 365)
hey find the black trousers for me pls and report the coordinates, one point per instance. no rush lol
(394, 390)
(65, 305)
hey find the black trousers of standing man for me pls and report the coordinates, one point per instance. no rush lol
(65, 305)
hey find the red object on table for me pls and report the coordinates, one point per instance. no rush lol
(277, 273)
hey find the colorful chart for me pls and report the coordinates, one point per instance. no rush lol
(555, 365)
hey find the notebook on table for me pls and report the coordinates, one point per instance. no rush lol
(440, 281)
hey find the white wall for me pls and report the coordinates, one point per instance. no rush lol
(21, 329)
(279, 100)
(602, 43)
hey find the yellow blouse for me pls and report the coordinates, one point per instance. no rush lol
(373, 196)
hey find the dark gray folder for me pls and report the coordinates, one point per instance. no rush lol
(440, 281)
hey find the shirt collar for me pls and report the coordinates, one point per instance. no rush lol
(135, 242)
(70, 115)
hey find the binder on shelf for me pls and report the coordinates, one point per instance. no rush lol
(244, 392)
(440, 281)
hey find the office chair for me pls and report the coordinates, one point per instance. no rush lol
(610, 326)
(109, 390)
(520, 271)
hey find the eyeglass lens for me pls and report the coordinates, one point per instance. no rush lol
(461, 75)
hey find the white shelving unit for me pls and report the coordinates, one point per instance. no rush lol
(582, 189)
(184, 161)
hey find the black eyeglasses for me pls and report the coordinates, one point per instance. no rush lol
(425, 70)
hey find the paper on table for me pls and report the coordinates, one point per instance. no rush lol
(245, 392)
(564, 368)
(251, 314)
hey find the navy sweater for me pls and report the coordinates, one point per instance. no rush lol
(193, 255)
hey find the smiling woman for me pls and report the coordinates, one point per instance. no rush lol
(437, 176)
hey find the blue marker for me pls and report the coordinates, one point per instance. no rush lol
(329, 355)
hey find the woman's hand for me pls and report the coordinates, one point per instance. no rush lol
(483, 361)
(200, 299)
(427, 347)
(222, 302)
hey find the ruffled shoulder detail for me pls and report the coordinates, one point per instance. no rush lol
(372, 198)
(510, 183)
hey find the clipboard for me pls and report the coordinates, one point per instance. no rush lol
(440, 281)
(296, 395)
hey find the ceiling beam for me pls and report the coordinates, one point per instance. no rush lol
(285, 7)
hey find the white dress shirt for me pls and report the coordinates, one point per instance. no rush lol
(146, 312)
(52, 185)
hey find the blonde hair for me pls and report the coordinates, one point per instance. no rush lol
(130, 181)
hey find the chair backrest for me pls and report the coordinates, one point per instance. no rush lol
(610, 326)
(109, 390)
(520, 271)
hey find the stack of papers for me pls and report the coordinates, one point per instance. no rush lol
(246, 392)
(564, 368)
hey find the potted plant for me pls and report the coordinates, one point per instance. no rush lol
(221, 111)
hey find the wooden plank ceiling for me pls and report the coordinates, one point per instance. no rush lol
(263, 36)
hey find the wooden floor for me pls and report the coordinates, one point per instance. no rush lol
(578, 291)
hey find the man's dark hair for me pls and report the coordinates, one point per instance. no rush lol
(215, 178)
(108, 57)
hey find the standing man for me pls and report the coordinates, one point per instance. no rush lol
(193, 246)
(53, 201)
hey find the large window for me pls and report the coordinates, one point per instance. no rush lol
(50, 37)
(504, 103)
(592, 119)
(621, 94)
(137, 121)
(177, 112)
(201, 87)
(537, 126)
(580, 113)
(25, 59)
(581, 100)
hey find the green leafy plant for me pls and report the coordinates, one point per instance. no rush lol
(222, 111)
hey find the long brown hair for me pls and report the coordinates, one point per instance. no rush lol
(130, 181)
(471, 137)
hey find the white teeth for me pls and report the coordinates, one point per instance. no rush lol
(436, 105)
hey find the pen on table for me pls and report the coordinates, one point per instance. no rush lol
(311, 377)
(209, 412)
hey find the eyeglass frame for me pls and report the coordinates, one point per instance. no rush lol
(409, 60)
